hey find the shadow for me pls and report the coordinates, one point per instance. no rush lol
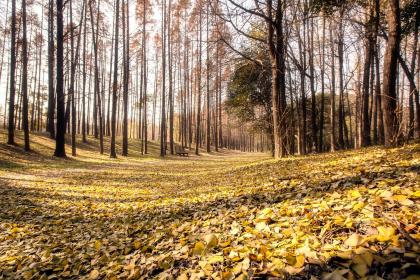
(54, 211)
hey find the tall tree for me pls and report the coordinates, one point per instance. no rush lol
(198, 117)
(163, 92)
(51, 92)
(113, 153)
(389, 94)
(12, 84)
(25, 77)
(84, 139)
(60, 150)
(332, 94)
(208, 118)
(125, 78)
(369, 49)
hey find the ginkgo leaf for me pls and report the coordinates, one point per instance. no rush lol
(406, 202)
(300, 261)
(337, 274)
(361, 269)
(385, 233)
(215, 259)
(211, 241)
(98, 245)
(199, 248)
(354, 240)
(94, 274)
(386, 194)
(183, 276)
(137, 244)
(354, 193)
(228, 275)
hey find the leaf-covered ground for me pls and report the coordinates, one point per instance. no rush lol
(227, 215)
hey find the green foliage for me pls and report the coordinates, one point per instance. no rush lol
(329, 6)
(410, 16)
(249, 93)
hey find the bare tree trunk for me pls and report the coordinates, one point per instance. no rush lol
(208, 123)
(61, 114)
(113, 153)
(11, 125)
(413, 92)
(25, 78)
(163, 99)
(369, 49)
(51, 93)
(198, 121)
(72, 78)
(389, 95)
(314, 126)
(125, 79)
(84, 81)
(321, 113)
(332, 95)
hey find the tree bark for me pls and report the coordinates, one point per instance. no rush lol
(389, 94)
(12, 84)
(113, 153)
(25, 78)
(61, 114)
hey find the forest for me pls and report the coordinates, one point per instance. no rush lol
(210, 139)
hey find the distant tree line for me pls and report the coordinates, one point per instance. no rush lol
(342, 74)
(287, 76)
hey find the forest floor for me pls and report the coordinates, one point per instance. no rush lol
(226, 215)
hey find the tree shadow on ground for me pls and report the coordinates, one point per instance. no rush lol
(22, 204)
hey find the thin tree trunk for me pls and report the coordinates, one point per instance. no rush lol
(113, 153)
(332, 95)
(198, 121)
(25, 78)
(389, 94)
(61, 114)
(163, 99)
(11, 127)
(125, 79)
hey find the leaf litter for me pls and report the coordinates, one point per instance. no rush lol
(346, 215)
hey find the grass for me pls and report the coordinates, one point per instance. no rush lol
(220, 216)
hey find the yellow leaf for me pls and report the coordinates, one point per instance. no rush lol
(347, 255)
(198, 248)
(385, 234)
(399, 197)
(94, 274)
(386, 194)
(227, 275)
(98, 245)
(262, 226)
(183, 276)
(215, 259)
(300, 261)
(406, 202)
(354, 240)
(366, 258)
(355, 193)
(136, 244)
(211, 240)
(335, 275)
(358, 206)
(287, 232)
(361, 269)
(336, 195)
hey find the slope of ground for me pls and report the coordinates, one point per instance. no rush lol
(227, 215)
